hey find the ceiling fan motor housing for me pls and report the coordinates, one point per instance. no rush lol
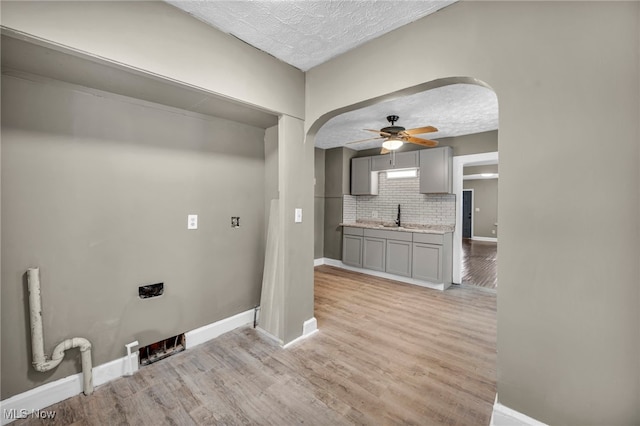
(394, 130)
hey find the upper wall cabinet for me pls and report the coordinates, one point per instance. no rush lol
(400, 160)
(436, 166)
(364, 181)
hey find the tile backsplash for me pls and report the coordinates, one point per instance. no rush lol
(437, 209)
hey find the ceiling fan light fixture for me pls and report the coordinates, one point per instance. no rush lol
(392, 144)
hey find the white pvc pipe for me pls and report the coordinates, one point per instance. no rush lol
(40, 362)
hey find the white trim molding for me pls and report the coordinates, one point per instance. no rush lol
(33, 401)
(505, 416)
(318, 262)
(309, 327)
(488, 239)
(211, 331)
(459, 162)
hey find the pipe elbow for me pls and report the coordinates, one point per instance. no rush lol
(81, 343)
(40, 367)
(47, 365)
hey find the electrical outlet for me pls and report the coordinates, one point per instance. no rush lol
(493, 231)
(235, 221)
(192, 221)
(477, 209)
(298, 216)
(374, 214)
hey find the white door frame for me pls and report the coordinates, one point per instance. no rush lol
(459, 163)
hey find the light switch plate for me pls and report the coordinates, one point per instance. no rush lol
(192, 221)
(298, 216)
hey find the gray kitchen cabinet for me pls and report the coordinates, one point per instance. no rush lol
(432, 258)
(399, 257)
(427, 262)
(421, 256)
(363, 180)
(400, 160)
(352, 246)
(373, 255)
(352, 250)
(436, 170)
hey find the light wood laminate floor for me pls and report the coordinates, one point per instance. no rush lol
(386, 353)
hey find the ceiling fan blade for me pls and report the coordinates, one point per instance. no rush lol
(420, 130)
(420, 141)
(380, 132)
(384, 151)
(365, 140)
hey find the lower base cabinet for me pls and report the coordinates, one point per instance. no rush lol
(352, 247)
(399, 257)
(427, 261)
(432, 258)
(374, 253)
(421, 256)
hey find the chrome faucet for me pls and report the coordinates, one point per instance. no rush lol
(398, 218)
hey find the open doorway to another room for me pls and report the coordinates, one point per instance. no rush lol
(480, 226)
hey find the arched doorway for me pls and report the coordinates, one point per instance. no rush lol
(462, 155)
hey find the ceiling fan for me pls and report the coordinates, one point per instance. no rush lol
(396, 136)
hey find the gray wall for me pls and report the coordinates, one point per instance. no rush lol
(485, 198)
(295, 176)
(474, 170)
(96, 192)
(270, 171)
(318, 235)
(157, 38)
(569, 303)
(337, 184)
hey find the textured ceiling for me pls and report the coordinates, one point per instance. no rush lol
(455, 110)
(307, 33)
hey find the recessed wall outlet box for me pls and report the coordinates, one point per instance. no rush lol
(235, 221)
(192, 221)
(298, 215)
(151, 290)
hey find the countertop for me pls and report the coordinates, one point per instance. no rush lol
(409, 227)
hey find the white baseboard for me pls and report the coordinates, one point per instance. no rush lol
(407, 280)
(505, 416)
(318, 262)
(33, 400)
(269, 335)
(211, 331)
(332, 262)
(309, 327)
(48, 394)
(489, 239)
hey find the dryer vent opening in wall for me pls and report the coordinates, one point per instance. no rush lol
(150, 290)
(162, 349)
